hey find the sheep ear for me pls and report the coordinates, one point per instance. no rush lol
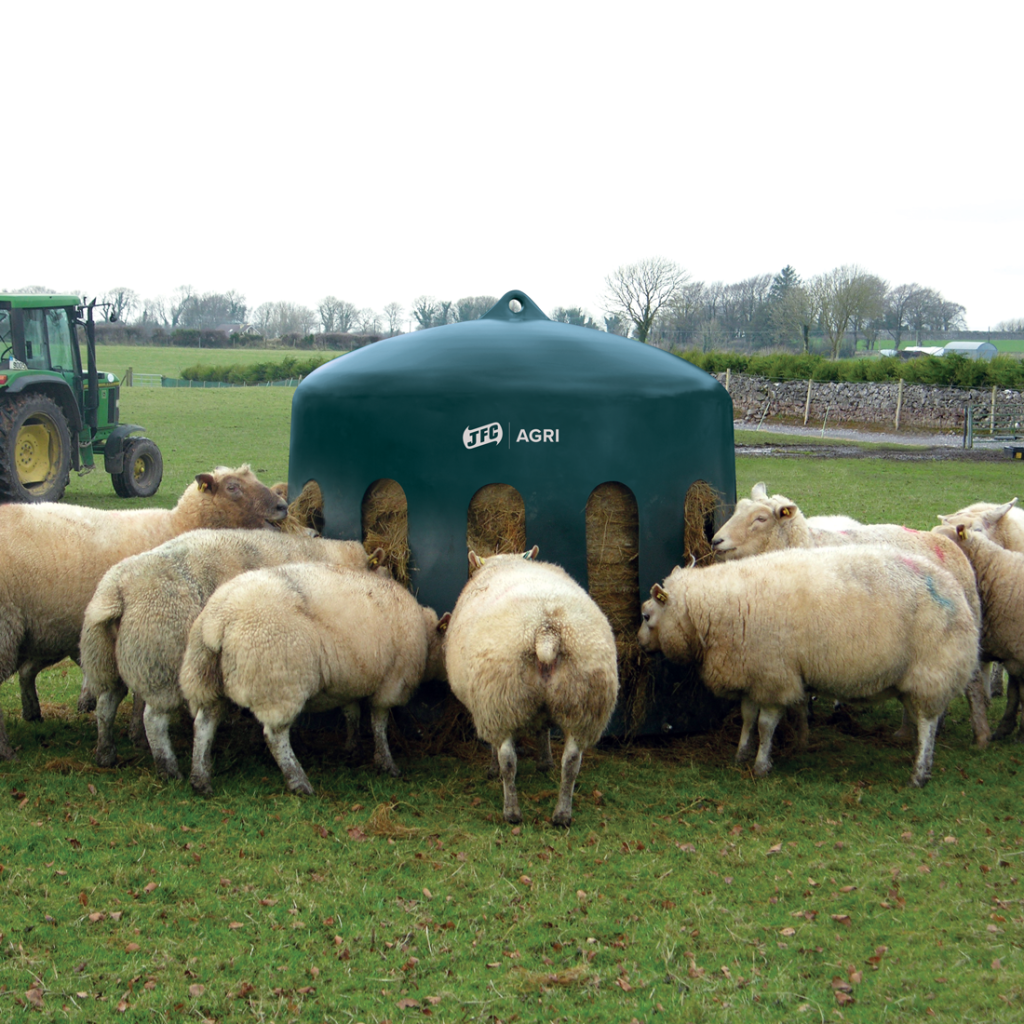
(442, 623)
(787, 511)
(945, 530)
(759, 491)
(961, 531)
(376, 558)
(475, 561)
(992, 516)
(532, 553)
(205, 482)
(659, 593)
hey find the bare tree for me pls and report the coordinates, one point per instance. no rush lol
(123, 302)
(638, 291)
(424, 310)
(369, 322)
(393, 313)
(898, 303)
(328, 313)
(838, 297)
(472, 307)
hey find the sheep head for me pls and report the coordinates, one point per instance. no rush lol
(760, 523)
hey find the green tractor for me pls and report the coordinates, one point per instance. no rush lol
(55, 416)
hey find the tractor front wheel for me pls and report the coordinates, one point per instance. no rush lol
(35, 449)
(143, 469)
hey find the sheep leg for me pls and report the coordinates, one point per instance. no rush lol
(926, 730)
(157, 724)
(86, 698)
(27, 672)
(767, 721)
(137, 724)
(1009, 720)
(977, 702)
(351, 726)
(905, 731)
(106, 710)
(280, 746)
(382, 759)
(572, 756)
(745, 750)
(493, 768)
(545, 761)
(204, 729)
(994, 678)
(507, 765)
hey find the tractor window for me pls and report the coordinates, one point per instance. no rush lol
(5, 333)
(59, 336)
(35, 339)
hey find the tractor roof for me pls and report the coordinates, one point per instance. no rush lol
(14, 301)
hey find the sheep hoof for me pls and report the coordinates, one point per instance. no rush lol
(919, 781)
(563, 819)
(201, 786)
(762, 770)
(546, 766)
(86, 703)
(513, 817)
(301, 787)
(106, 758)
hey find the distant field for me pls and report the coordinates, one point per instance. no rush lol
(170, 361)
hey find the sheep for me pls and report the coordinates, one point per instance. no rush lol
(761, 524)
(864, 621)
(281, 639)
(136, 626)
(1008, 532)
(526, 649)
(1000, 574)
(53, 555)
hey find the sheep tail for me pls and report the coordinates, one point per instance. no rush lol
(547, 646)
(200, 677)
(99, 640)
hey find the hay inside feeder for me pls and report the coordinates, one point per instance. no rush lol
(496, 521)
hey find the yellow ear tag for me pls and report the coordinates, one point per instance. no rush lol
(785, 513)
(661, 596)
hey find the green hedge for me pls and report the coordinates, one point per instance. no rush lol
(256, 373)
(952, 370)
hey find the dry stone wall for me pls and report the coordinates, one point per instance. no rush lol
(921, 407)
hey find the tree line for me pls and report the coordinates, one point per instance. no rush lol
(654, 301)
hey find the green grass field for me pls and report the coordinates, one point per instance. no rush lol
(170, 360)
(684, 891)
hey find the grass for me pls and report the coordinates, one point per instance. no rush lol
(684, 891)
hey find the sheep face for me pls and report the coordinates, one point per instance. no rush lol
(760, 523)
(436, 629)
(651, 612)
(235, 498)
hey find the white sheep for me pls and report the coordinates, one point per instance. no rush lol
(296, 637)
(764, 523)
(1008, 532)
(136, 626)
(858, 622)
(527, 649)
(1000, 574)
(53, 555)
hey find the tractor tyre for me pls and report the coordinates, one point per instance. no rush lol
(35, 449)
(143, 469)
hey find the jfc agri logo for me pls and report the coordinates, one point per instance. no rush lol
(476, 437)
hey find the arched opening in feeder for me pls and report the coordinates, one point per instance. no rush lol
(306, 512)
(702, 502)
(385, 521)
(496, 521)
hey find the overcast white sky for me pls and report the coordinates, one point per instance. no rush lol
(378, 152)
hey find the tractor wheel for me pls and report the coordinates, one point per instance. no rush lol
(35, 449)
(143, 469)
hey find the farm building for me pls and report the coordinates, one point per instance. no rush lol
(514, 430)
(972, 349)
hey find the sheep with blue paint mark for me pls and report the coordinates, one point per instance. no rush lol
(862, 622)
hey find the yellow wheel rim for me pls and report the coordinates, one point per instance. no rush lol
(34, 451)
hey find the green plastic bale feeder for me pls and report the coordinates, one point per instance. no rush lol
(554, 412)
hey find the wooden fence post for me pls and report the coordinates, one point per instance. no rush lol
(899, 404)
(807, 404)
